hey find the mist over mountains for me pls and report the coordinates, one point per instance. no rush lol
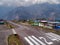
(4, 10)
(44, 10)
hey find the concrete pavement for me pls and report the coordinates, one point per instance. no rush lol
(31, 36)
(4, 33)
(4, 37)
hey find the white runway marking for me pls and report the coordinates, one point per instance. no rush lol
(53, 37)
(30, 43)
(32, 40)
(35, 42)
(57, 36)
(38, 40)
(49, 43)
(14, 32)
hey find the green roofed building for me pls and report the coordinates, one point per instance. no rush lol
(35, 24)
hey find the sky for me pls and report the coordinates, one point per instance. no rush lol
(26, 2)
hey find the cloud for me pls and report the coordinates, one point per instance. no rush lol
(1, 3)
(26, 2)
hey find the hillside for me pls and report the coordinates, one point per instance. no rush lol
(44, 10)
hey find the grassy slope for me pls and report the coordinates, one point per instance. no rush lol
(14, 40)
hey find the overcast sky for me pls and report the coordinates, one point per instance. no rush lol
(26, 2)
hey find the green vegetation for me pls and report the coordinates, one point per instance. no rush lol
(57, 32)
(16, 21)
(14, 40)
(30, 22)
(9, 25)
(52, 30)
(35, 24)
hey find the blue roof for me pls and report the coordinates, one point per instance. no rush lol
(53, 22)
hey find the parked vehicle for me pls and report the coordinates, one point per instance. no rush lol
(1, 21)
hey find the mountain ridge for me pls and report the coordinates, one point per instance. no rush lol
(45, 10)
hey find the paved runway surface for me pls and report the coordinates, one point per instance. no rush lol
(3, 27)
(4, 36)
(31, 36)
(4, 33)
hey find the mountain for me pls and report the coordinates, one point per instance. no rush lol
(4, 10)
(44, 10)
